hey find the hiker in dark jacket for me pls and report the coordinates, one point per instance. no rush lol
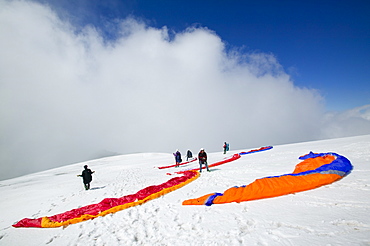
(202, 156)
(189, 155)
(226, 147)
(86, 177)
(178, 159)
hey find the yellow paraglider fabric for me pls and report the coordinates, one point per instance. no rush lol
(110, 205)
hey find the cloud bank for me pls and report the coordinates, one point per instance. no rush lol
(68, 94)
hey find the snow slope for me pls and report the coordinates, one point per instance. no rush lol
(336, 214)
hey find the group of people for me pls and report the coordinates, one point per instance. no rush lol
(202, 157)
(178, 159)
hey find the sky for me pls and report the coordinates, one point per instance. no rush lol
(86, 79)
(322, 45)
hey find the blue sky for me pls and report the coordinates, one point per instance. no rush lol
(323, 45)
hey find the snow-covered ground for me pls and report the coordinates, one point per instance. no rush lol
(336, 214)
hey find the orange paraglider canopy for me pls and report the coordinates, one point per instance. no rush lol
(316, 170)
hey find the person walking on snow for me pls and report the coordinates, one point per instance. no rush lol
(226, 147)
(189, 155)
(202, 156)
(178, 159)
(86, 177)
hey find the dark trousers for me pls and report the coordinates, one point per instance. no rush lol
(200, 165)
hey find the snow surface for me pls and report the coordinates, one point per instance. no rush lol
(336, 214)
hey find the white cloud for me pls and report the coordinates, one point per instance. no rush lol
(67, 96)
(348, 123)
